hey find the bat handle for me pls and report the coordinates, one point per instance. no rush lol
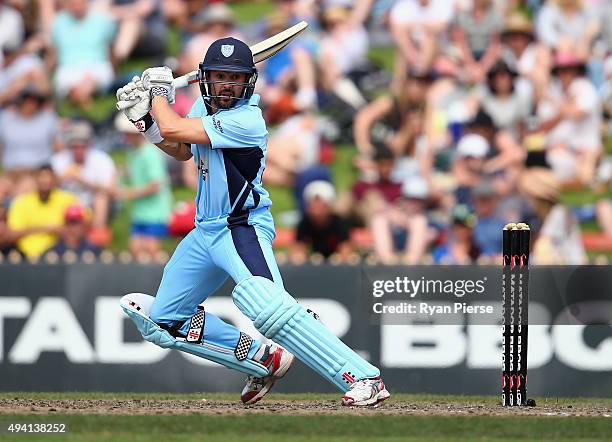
(186, 80)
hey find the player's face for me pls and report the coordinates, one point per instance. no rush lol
(226, 92)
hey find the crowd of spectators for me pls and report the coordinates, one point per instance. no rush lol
(490, 112)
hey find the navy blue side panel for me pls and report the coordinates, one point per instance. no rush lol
(241, 165)
(246, 161)
(249, 250)
(235, 181)
(238, 218)
(243, 197)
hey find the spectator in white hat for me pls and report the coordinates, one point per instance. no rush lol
(401, 231)
(485, 151)
(321, 230)
(470, 157)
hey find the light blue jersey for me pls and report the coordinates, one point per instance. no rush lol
(230, 168)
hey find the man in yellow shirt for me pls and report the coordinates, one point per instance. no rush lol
(35, 218)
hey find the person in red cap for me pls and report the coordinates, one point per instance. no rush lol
(73, 237)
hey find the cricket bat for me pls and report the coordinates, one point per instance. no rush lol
(261, 51)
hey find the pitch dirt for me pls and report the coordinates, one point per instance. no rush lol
(278, 405)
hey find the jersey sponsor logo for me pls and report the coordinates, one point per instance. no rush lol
(217, 124)
(227, 50)
(203, 169)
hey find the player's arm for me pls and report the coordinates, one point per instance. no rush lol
(174, 128)
(246, 130)
(179, 151)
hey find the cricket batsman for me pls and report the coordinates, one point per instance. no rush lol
(226, 136)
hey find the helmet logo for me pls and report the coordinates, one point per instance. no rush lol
(227, 50)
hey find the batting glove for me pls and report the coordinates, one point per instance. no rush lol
(160, 82)
(139, 112)
(134, 92)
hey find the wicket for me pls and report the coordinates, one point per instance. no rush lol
(515, 295)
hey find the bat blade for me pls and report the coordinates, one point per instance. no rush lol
(271, 46)
(261, 51)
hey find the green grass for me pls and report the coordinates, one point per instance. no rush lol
(383, 56)
(253, 427)
(343, 172)
(255, 424)
(249, 11)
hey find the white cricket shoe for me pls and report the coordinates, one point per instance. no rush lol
(278, 361)
(366, 392)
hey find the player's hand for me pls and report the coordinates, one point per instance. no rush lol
(126, 93)
(141, 98)
(160, 82)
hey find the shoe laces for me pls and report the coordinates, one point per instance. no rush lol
(359, 386)
(254, 381)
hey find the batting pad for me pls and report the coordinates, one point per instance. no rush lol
(278, 316)
(138, 305)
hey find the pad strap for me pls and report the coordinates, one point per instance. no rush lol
(195, 334)
(243, 346)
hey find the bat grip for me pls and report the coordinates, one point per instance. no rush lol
(186, 80)
(180, 82)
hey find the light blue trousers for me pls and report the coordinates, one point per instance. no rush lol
(203, 261)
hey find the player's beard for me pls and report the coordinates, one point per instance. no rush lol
(225, 98)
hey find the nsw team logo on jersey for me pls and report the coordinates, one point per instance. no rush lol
(227, 50)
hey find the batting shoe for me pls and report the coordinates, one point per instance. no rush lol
(279, 361)
(366, 392)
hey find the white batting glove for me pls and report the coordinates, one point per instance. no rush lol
(133, 91)
(159, 81)
(139, 112)
(125, 92)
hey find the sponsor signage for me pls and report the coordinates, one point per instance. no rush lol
(61, 328)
